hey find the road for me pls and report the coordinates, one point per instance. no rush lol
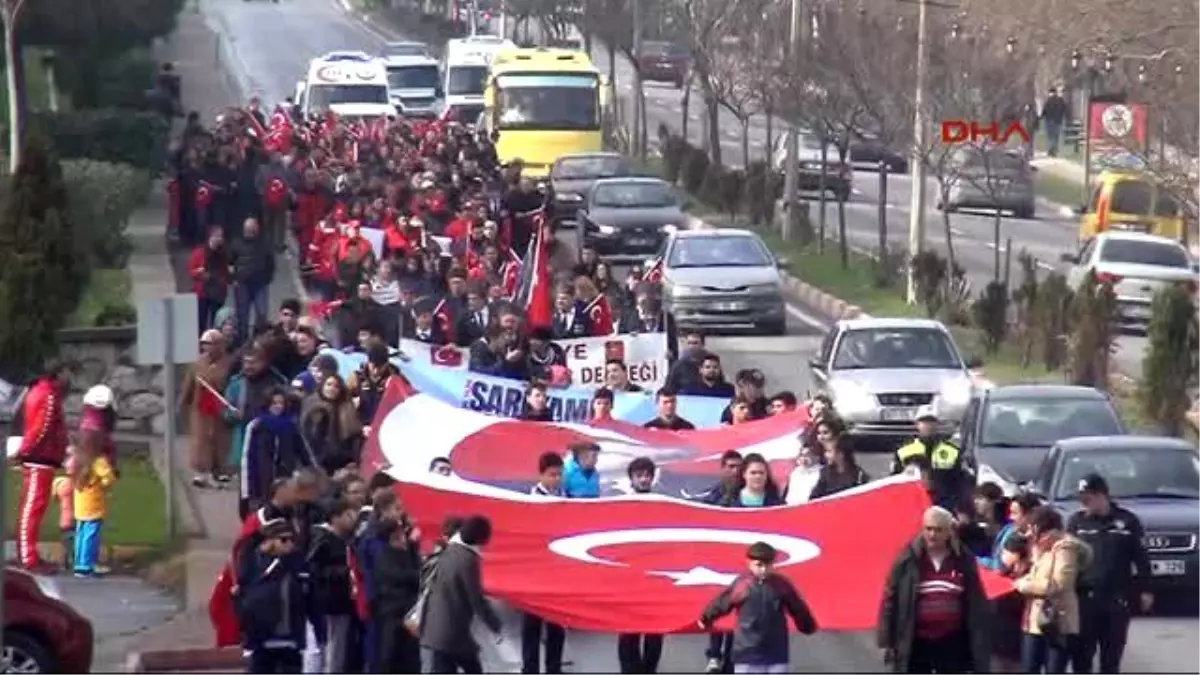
(271, 45)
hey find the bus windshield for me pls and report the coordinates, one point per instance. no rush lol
(466, 80)
(550, 102)
(321, 96)
(413, 77)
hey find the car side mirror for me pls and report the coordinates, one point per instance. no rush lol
(1069, 258)
(816, 364)
(974, 363)
(1030, 487)
(1080, 210)
(438, 92)
(782, 261)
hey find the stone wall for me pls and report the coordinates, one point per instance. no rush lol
(108, 356)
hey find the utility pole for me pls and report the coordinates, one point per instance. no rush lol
(916, 215)
(639, 97)
(791, 175)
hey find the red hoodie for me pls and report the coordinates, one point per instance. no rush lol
(45, 439)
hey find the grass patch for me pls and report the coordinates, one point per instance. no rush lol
(37, 87)
(136, 507)
(107, 288)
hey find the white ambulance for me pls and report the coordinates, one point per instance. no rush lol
(351, 84)
(465, 66)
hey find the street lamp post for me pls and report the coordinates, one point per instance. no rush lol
(916, 213)
(1090, 74)
(792, 168)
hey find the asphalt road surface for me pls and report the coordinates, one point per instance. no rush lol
(269, 48)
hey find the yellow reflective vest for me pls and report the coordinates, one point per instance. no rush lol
(945, 456)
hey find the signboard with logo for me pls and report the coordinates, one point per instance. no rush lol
(1118, 135)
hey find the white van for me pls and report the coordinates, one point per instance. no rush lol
(351, 84)
(414, 85)
(465, 70)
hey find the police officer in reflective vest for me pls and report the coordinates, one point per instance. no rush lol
(930, 449)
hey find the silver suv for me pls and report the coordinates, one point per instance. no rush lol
(880, 371)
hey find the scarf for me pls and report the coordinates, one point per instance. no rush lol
(278, 425)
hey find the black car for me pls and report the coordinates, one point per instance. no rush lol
(627, 218)
(1157, 478)
(868, 150)
(572, 178)
(1010, 429)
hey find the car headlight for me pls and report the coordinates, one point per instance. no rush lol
(570, 197)
(957, 393)
(686, 290)
(850, 398)
(668, 228)
(814, 166)
(606, 229)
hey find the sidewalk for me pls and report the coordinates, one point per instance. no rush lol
(157, 270)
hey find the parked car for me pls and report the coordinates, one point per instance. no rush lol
(880, 371)
(1008, 430)
(867, 150)
(990, 178)
(572, 177)
(1157, 478)
(627, 218)
(723, 278)
(1137, 266)
(663, 62)
(42, 634)
(839, 177)
(405, 48)
(1133, 201)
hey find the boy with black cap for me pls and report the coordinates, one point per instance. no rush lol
(272, 600)
(763, 601)
(369, 383)
(1118, 574)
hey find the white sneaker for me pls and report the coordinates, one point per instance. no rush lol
(714, 666)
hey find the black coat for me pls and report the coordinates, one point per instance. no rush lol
(272, 598)
(455, 599)
(831, 481)
(329, 565)
(897, 611)
(396, 580)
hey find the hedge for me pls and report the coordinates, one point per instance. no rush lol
(104, 196)
(121, 136)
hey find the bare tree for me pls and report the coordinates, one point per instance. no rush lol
(730, 74)
(703, 22)
(10, 14)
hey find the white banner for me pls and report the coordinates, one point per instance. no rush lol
(645, 355)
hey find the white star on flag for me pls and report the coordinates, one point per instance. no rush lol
(698, 576)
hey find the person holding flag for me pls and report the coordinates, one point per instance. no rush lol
(595, 307)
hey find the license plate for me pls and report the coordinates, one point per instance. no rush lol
(1138, 312)
(640, 241)
(1168, 568)
(730, 306)
(899, 414)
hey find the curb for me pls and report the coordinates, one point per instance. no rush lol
(206, 659)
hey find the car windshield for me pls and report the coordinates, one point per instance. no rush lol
(466, 114)
(718, 251)
(1132, 196)
(870, 348)
(578, 168)
(1133, 472)
(661, 49)
(466, 80)
(551, 102)
(1042, 422)
(413, 77)
(634, 196)
(321, 96)
(405, 49)
(1138, 252)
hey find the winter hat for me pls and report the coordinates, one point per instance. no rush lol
(99, 396)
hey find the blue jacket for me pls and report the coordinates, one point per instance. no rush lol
(993, 561)
(249, 404)
(578, 483)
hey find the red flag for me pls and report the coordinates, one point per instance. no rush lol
(358, 586)
(511, 273)
(654, 275)
(445, 318)
(205, 192)
(600, 316)
(533, 292)
(221, 611)
(208, 404)
(256, 127)
(449, 356)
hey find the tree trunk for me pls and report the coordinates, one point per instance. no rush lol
(770, 137)
(822, 197)
(843, 245)
(713, 115)
(745, 121)
(687, 104)
(997, 258)
(16, 123)
(949, 231)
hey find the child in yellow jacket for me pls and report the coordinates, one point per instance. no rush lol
(93, 476)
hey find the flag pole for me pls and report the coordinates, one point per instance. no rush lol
(224, 401)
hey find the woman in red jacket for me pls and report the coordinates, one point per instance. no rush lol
(208, 268)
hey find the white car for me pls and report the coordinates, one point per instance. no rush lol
(1137, 266)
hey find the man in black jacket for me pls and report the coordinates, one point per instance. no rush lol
(272, 600)
(934, 617)
(397, 586)
(455, 599)
(495, 354)
(253, 271)
(329, 563)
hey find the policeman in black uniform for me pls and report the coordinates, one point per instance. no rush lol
(1107, 587)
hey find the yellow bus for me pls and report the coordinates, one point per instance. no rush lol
(545, 103)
